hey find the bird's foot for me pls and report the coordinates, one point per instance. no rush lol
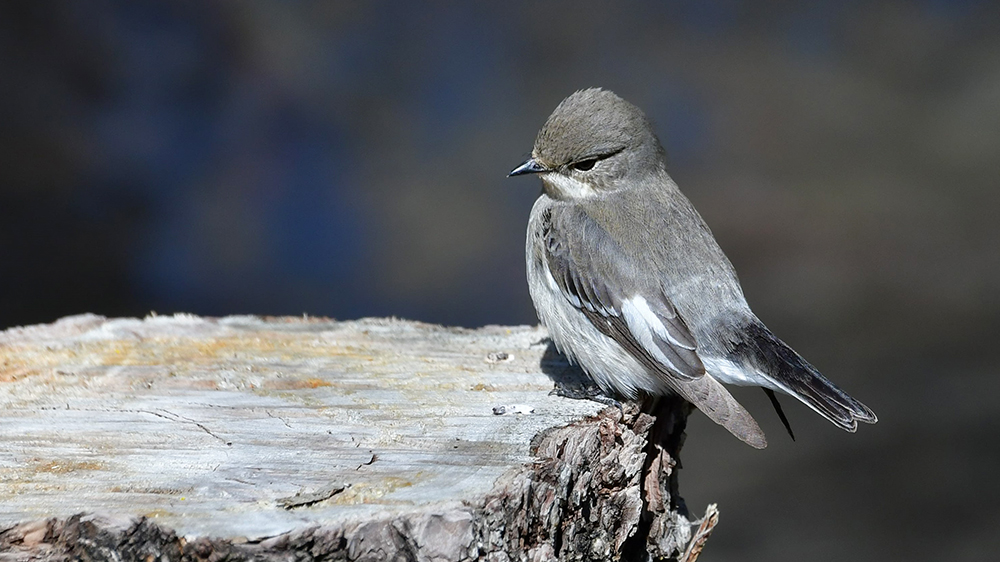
(590, 392)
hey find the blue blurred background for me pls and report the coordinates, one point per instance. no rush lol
(348, 159)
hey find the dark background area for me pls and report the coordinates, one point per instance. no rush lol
(348, 160)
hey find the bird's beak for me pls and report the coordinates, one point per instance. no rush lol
(530, 166)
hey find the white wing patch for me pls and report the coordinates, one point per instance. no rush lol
(641, 307)
(643, 323)
(637, 308)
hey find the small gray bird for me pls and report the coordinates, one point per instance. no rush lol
(632, 285)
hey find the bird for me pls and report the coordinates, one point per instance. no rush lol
(632, 286)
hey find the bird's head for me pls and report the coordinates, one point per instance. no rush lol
(593, 142)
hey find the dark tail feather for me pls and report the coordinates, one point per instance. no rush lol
(781, 413)
(796, 377)
(827, 398)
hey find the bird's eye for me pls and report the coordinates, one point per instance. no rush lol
(584, 165)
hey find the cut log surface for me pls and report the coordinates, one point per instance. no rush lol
(190, 437)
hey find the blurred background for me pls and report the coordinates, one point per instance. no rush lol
(347, 159)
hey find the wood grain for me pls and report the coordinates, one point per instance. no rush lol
(192, 437)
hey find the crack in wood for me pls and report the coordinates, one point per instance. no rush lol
(306, 499)
(180, 418)
(283, 420)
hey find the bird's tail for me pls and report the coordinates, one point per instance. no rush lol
(794, 376)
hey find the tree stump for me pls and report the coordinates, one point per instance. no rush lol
(246, 438)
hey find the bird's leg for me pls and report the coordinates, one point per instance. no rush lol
(579, 390)
(572, 382)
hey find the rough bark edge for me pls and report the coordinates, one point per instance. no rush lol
(604, 488)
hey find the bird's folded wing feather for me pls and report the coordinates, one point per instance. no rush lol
(595, 276)
(583, 260)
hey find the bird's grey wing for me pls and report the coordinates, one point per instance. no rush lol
(583, 260)
(594, 275)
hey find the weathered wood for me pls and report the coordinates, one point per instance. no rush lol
(299, 438)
